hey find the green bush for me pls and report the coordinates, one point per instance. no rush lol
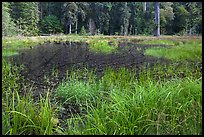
(83, 31)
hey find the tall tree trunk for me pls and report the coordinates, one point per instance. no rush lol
(76, 26)
(190, 32)
(145, 7)
(157, 20)
(70, 28)
(130, 30)
(92, 26)
(125, 28)
(49, 9)
(121, 30)
(41, 10)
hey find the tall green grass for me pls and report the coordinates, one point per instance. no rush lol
(123, 104)
(20, 113)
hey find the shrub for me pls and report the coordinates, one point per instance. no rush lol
(82, 31)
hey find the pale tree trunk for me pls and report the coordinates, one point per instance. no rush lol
(121, 30)
(126, 22)
(41, 10)
(157, 20)
(130, 30)
(190, 32)
(70, 28)
(76, 26)
(125, 30)
(92, 26)
(145, 7)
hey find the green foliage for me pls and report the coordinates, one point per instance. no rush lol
(8, 26)
(26, 17)
(102, 46)
(51, 25)
(180, 20)
(83, 31)
(166, 16)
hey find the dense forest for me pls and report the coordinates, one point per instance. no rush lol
(108, 18)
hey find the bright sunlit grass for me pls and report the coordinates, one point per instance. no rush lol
(100, 46)
(188, 51)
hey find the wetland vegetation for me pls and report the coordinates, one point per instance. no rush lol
(101, 68)
(54, 89)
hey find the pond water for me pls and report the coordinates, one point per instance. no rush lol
(44, 58)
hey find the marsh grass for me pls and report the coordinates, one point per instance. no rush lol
(118, 103)
(162, 100)
(9, 52)
(102, 46)
(26, 117)
(21, 114)
(159, 41)
(189, 51)
(12, 47)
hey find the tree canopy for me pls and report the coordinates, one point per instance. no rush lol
(108, 18)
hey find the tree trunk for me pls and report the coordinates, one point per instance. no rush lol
(41, 10)
(121, 30)
(49, 9)
(190, 32)
(76, 26)
(92, 26)
(157, 20)
(130, 31)
(70, 28)
(145, 7)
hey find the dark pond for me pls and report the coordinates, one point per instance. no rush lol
(44, 58)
